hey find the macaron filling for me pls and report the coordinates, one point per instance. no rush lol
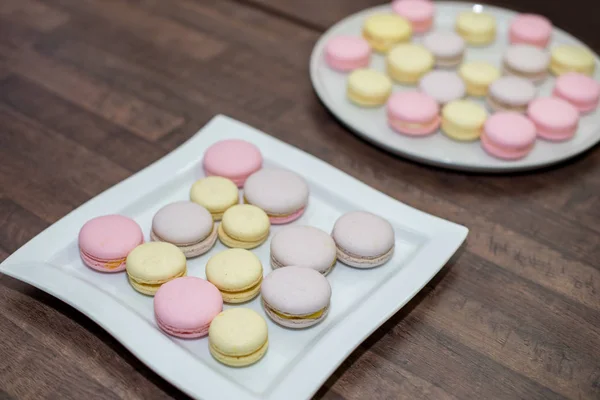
(356, 260)
(498, 105)
(476, 37)
(533, 76)
(312, 317)
(236, 242)
(555, 134)
(415, 128)
(183, 333)
(364, 99)
(192, 249)
(448, 61)
(509, 153)
(238, 360)
(151, 287)
(100, 264)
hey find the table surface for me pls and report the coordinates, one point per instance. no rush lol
(92, 91)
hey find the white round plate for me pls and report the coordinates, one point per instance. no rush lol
(437, 149)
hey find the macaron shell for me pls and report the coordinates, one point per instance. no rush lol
(186, 306)
(110, 237)
(286, 219)
(363, 234)
(530, 29)
(363, 262)
(216, 194)
(420, 13)
(476, 28)
(566, 58)
(295, 323)
(578, 89)
(368, 87)
(463, 119)
(509, 129)
(554, 118)
(103, 265)
(346, 53)
(443, 86)
(182, 223)
(407, 63)
(233, 158)
(296, 291)
(512, 90)
(277, 191)
(244, 226)
(238, 332)
(445, 46)
(413, 106)
(304, 246)
(526, 58)
(383, 31)
(478, 75)
(504, 153)
(155, 262)
(239, 361)
(234, 270)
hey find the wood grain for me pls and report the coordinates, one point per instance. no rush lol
(92, 91)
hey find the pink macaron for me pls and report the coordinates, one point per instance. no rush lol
(185, 307)
(347, 53)
(578, 89)
(530, 29)
(234, 159)
(419, 13)
(413, 113)
(105, 242)
(508, 135)
(555, 119)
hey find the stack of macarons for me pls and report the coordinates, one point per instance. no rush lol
(295, 294)
(435, 97)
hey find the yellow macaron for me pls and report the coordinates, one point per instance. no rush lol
(407, 63)
(476, 28)
(368, 87)
(237, 273)
(216, 194)
(463, 120)
(244, 226)
(151, 264)
(383, 31)
(238, 337)
(567, 58)
(478, 76)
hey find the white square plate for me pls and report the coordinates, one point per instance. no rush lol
(297, 362)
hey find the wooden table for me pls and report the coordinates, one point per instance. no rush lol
(92, 91)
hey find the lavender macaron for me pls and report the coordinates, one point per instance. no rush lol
(510, 93)
(448, 48)
(281, 193)
(303, 246)
(363, 239)
(187, 225)
(296, 297)
(443, 86)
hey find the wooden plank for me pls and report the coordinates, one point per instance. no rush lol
(95, 133)
(142, 118)
(34, 14)
(17, 225)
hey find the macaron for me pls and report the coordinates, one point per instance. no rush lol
(238, 337)
(448, 48)
(526, 61)
(476, 29)
(443, 86)
(368, 88)
(216, 194)
(407, 63)
(296, 297)
(383, 31)
(510, 93)
(532, 29)
(508, 135)
(187, 225)
(244, 226)
(347, 53)
(363, 239)
(463, 120)
(555, 119)
(568, 58)
(419, 13)
(478, 76)
(237, 273)
(152, 264)
(413, 113)
(233, 159)
(303, 246)
(281, 193)
(578, 89)
(105, 242)
(185, 307)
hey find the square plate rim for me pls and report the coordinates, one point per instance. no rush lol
(442, 235)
